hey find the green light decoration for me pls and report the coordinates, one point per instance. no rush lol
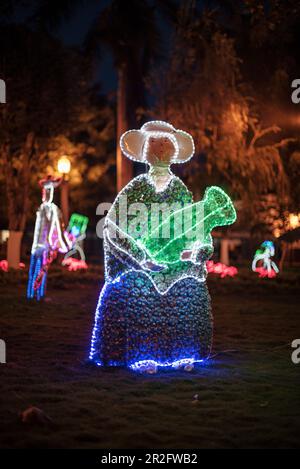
(78, 224)
(216, 209)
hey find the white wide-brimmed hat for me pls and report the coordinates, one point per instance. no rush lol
(49, 181)
(134, 143)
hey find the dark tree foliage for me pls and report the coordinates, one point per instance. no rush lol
(44, 83)
(215, 85)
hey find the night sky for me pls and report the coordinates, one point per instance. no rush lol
(73, 31)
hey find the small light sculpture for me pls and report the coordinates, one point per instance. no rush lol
(262, 262)
(77, 233)
(4, 265)
(64, 165)
(221, 269)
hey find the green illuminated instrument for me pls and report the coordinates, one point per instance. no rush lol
(216, 209)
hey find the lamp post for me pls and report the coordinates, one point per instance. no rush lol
(64, 167)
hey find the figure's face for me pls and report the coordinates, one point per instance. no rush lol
(48, 191)
(160, 151)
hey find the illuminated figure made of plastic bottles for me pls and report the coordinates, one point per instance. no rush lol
(154, 308)
(49, 239)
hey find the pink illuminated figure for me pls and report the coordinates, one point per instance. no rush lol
(74, 264)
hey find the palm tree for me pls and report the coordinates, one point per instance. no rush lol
(130, 30)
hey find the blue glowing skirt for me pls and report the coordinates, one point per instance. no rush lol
(36, 263)
(134, 322)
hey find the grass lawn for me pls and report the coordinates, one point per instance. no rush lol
(248, 396)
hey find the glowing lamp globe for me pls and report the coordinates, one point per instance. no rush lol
(64, 165)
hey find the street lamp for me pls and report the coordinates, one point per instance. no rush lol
(64, 167)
